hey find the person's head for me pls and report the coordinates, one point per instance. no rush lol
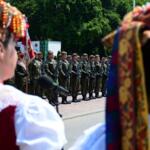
(10, 31)
(91, 58)
(36, 55)
(97, 58)
(103, 59)
(40, 56)
(63, 55)
(74, 56)
(85, 56)
(78, 58)
(69, 58)
(50, 55)
(20, 55)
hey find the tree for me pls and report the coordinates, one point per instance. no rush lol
(79, 24)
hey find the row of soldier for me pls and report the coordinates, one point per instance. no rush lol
(83, 74)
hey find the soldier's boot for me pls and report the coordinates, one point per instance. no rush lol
(83, 97)
(64, 100)
(74, 99)
(91, 96)
(97, 95)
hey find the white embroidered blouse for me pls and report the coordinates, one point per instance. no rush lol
(37, 125)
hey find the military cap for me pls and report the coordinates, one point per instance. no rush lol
(85, 54)
(97, 55)
(91, 56)
(68, 55)
(63, 52)
(50, 52)
(74, 54)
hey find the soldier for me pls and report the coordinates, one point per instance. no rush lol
(104, 74)
(98, 73)
(84, 76)
(20, 73)
(79, 66)
(41, 59)
(64, 73)
(69, 59)
(34, 74)
(51, 69)
(74, 78)
(91, 76)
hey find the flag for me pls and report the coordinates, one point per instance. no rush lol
(29, 51)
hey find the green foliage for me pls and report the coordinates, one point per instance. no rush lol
(79, 24)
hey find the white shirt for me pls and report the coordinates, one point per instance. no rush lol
(37, 125)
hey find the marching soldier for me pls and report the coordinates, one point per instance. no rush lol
(64, 73)
(74, 78)
(104, 75)
(51, 69)
(79, 67)
(98, 73)
(69, 59)
(34, 74)
(84, 76)
(39, 57)
(91, 76)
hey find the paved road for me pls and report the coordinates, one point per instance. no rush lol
(80, 116)
(81, 108)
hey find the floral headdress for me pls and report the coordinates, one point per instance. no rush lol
(16, 22)
(12, 19)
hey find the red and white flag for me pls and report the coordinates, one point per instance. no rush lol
(29, 51)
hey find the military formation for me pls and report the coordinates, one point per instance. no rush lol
(85, 75)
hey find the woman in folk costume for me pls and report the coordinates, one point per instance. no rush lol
(128, 98)
(26, 122)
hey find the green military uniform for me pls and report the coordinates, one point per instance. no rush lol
(104, 76)
(91, 78)
(51, 69)
(64, 73)
(69, 59)
(74, 80)
(84, 78)
(98, 73)
(34, 74)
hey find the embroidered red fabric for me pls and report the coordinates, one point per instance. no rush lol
(7, 129)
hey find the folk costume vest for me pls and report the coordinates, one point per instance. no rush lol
(7, 129)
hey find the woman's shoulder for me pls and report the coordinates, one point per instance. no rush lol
(12, 96)
(8, 96)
